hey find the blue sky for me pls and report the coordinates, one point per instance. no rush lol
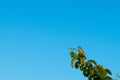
(35, 36)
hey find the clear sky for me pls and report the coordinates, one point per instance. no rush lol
(35, 36)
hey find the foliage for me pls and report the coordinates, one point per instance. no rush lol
(90, 68)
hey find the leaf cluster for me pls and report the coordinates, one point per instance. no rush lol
(89, 68)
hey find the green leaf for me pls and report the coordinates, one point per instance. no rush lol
(82, 67)
(72, 62)
(92, 72)
(101, 74)
(108, 71)
(92, 61)
(87, 64)
(86, 73)
(108, 78)
(72, 54)
(77, 65)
